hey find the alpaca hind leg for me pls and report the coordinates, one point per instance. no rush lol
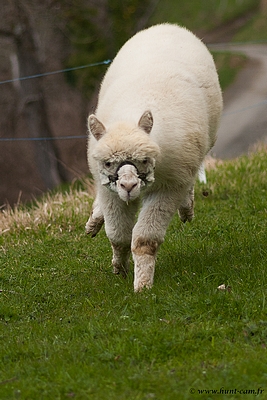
(119, 222)
(186, 209)
(120, 259)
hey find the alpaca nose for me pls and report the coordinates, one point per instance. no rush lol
(128, 186)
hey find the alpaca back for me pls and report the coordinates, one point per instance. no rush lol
(169, 71)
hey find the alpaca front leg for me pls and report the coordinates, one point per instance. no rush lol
(148, 234)
(95, 220)
(144, 256)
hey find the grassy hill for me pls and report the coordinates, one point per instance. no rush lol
(69, 328)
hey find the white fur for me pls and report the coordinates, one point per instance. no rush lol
(159, 107)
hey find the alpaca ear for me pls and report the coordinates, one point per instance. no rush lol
(96, 127)
(146, 122)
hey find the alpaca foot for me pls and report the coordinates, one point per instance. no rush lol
(186, 214)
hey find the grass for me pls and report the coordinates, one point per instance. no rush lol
(254, 30)
(228, 65)
(69, 328)
(201, 15)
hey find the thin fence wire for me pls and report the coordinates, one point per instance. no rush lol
(44, 139)
(60, 71)
(225, 114)
(106, 62)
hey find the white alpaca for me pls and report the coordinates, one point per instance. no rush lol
(158, 112)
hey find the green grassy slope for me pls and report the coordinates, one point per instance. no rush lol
(69, 328)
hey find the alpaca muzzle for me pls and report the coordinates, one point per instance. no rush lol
(114, 178)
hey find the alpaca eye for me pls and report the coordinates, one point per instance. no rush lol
(145, 161)
(108, 164)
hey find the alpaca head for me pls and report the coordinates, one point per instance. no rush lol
(126, 156)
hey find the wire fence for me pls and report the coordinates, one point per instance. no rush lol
(41, 139)
(44, 139)
(215, 46)
(60, 71)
